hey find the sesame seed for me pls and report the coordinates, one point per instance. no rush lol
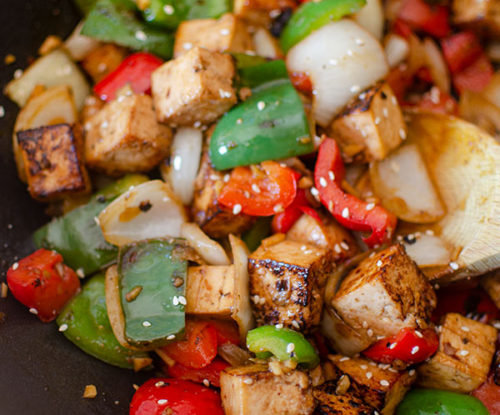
(465, 328)
(344, 358)
(344, 246)
(162, 401)
(364, 367)
(377, 121)
(370, 206)
(315, 193)
(385, 111)
(379, 263)
(290, 348)
(333, 62)
(411, 372)
(187, 46)
(429, 232)
(369, 332)
(159, 384)
(248, 381)
(63, 327)
(365, 324)
(345, 212)
(392, 346)
(369, 375)
(295, 324)
(330, 205)
(247, 194)
(394, 100)
(206, 382)
(225, 94)
(80, 272)
(402, 134)
(414, 350)
(175, 300)
(383, 382)
(182, 300)
(168, 9)
(331, 175)
(224, 32)
(146, 324)
(419, 334)
(350, 52)
(18, 73)
(463, 352)
(323, 182)
(33, 311)
(273, 14)
(436, 286)
(171, 337)
(2, 111)
(140, 35)
(255, 188)
(355, 88)
(454, 266)
(239, 121)
(261, 105)
(15, 266)
(279, 326)
(337, 248)
(360, 42)
(278, 208)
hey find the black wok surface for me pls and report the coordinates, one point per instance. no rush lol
(40, 371)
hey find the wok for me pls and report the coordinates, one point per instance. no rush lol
(41, 372)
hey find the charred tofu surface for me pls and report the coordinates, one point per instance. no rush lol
(53, 162)
(466, 349)
(371, 125)
(226, 34)
(215, 221)
(385, 293)
(195, 87)
(254, 390)
(124, 137)
(378, 385)
(286, 283)
(483, 14)
(210, 291)
(332, 399)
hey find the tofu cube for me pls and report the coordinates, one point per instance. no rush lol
(491, 284)
(332, 401)
(287, 281)
(195, 87)
(385, 293)
(103, 60)
(463, 360)
(214, 220)
(210, 291)
(254, 390)
(124, 137)
(53, 162)
(482, 14)
(371, 125)
(226, 34)
(257, 11)
(327, 234)
(378, 385)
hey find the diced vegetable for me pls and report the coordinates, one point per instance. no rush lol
(114, 21)
(78, 237)
(152, 279)
(433, 401)
(147, 211)
(270, 125)
(209, 250)
(257, 233)
(84, 321)
(259, 190)
(420, 15)
(135, 71)
(371, 17)
(255, 75)
(210, 373)
(43, 283)
(474, 77)
(428, 251)
(55, 68)
(283, 221)
(283, 343)
(396, 49)
(312, 15)
(78, 45)
(460, 50)
(437, 65)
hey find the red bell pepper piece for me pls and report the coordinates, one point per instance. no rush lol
(160, 396)
(489, 394)
(198, 349)
(435, 101)
(135, 70)
(210, 372)
(426, 18)
(347, 209)
(409, 345)
(460, 50)
(474, 77)
(42, 282)
(259, 191)
(227, 332)
(302, 82)
(282, 222)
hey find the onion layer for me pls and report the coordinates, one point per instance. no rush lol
(428, 251)
(372, 18)
(209, 250)
(78, 45)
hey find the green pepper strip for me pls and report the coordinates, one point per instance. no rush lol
(283, 343)
(254, 236)
(77, 236)
(433, 401)
(313, 15)
(84, 321)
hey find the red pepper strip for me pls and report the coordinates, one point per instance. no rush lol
(159, 396)
(347, 209)
(282, 222)
(210, 372)
(227, 332)
(135, 70)
(489, 394)
(43, 283)
(461, 50)
(435, 101)
(474, 77)
(198, 349)
(409, 345)
(422, 16)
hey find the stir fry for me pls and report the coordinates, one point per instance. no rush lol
(283, 206)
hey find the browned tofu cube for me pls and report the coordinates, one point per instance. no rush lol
(226, 34)
(254, 390)
(378, 385)
(371, 125)
(287, 281)
(257, 11)
(491, 284)
(216, 221)
(466, 349)
(103, 60)
(195, 87)
(210, 291)
(385, 293)
(327, 234)
(124, 137)
(52, 162)
(333, 400)
(482, 14)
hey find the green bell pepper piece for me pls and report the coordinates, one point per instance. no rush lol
(156, 271)
(114, 21)
(256, 75)
(76, 235)
(270, 125)
(283, 343)
(208, 9)
(254, 236)
(440, 402)
(86, 324)
(313, 15)
(242, 60)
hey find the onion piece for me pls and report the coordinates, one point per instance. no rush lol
(341, 59)
(371, 17)
(53, 106)
(55, 68)
(396, 49)
(437, 65)
(184, 163)
(147, 211)
(242, 312)
(476, 108)
(403, 184)
(78, 45)
(266, 45)
(428, 251)
(234, 355)
(209, 250)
